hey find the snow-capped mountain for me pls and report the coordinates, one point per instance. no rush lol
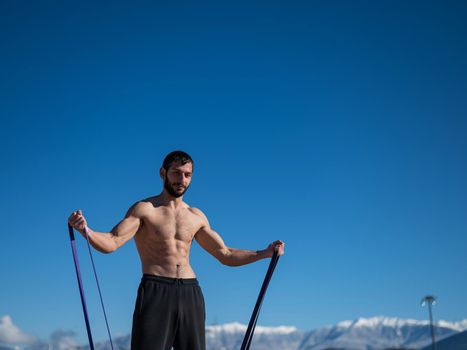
(376, 333)
(456, 342)
(230, 336)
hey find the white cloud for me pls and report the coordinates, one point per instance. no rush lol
(11, 334)
(63, 340)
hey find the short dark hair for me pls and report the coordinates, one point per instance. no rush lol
(176, 156)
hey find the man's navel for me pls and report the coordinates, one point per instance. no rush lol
(178, 270)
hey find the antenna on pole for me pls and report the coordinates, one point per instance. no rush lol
(430, 300)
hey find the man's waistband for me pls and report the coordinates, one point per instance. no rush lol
(168, 280)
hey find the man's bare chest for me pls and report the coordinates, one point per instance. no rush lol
(168, 225)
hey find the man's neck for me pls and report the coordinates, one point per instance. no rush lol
(168, 200)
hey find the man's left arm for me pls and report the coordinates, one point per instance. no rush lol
(213, 243)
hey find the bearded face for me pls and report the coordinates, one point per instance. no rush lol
(177, 179)
(175, 189)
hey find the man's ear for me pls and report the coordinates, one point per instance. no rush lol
(162, 173)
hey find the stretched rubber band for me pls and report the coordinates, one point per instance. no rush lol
(81, 288)
(251, 326)
(98, 288)
(254, 317)
(80, 285)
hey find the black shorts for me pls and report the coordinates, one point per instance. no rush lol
(169, 312)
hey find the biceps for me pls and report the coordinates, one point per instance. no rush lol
(212, 242)
(126, 229)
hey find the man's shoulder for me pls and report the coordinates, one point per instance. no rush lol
(198, 212)
(140, 207)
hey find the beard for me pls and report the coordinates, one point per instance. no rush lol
(170, 188)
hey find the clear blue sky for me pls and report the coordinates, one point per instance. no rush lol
(339, 127)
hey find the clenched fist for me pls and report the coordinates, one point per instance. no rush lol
(77, 221)
(277, 246)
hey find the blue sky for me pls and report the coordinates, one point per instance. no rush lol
(338, 127)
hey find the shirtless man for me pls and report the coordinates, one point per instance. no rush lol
(169, 310)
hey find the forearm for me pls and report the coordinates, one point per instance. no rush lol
(102, 241)
(239, 257)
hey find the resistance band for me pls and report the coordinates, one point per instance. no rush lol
(81, 289)
(251, 326)
(254, 317)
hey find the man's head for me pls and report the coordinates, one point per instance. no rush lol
(176, 172)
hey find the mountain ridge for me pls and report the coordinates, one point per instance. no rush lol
(373, 333)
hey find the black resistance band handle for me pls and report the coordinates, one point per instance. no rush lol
(254, 317)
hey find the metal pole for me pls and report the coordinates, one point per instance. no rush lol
(430, 300)
(433, 342)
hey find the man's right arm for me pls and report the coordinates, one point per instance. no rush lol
(108, 242)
